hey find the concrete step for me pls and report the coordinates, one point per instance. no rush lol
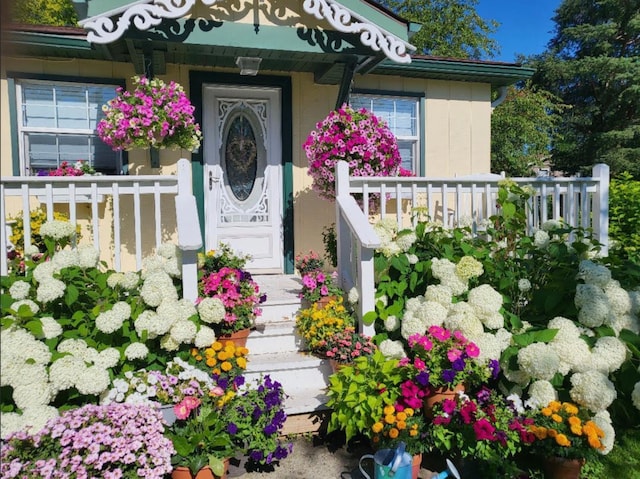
(282, 296)
(304, 378)
(274, 337)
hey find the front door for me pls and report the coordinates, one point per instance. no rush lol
(243, 173)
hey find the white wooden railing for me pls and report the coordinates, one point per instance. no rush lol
(128, 210)
(579, 202)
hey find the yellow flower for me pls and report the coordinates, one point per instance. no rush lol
(555, 406)
(217, 346)
(223, 356)
(377, 427)
(242, 363)
(388, 410)
(390, 419)
(557, 418)
(570, 408)
(393, 433)
(402, 416)
(211, 362)
(563, 440)
(226, 366)
(401, 425)
(409, 412)
(546, 411)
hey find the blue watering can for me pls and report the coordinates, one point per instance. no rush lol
(450, 471)
(389, 463)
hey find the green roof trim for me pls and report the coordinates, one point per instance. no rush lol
(379, 17)
(497, 74)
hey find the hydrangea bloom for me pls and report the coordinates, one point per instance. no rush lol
(593, 390)
(539, 361)
(57, 229)
(540, 393)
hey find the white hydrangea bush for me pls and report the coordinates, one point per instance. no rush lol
(69, 326)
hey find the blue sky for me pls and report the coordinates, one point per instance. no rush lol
(525, 25)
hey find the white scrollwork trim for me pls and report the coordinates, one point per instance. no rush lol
(143, 14)
(347, 21)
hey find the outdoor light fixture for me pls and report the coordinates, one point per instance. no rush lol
(248, 65)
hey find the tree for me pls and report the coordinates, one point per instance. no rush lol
(450, 28)
(593, 64)
(522, 128)
(44, 12)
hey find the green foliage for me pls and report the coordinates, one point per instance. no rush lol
(449, 28)
(330, 241)
(359, 393)
(624, 215)
(45, 12)
(591, 65)
(201, 438)
(521, 130)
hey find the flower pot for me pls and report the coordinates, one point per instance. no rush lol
(438, 395)
(239, 338)
(416, 464)
(325, 300)
(337, 366)
(562, 468)
(168, 414)
(181, 472)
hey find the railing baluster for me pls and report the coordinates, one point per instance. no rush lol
(116, 227)
(158, 222)
(138, 226)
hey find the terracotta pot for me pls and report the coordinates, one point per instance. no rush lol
(337, 366)
(239, 338)
(325, 300)
(416, 464)
(204, 473)
(438, 395)
(562, 468)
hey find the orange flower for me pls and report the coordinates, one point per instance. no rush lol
(563, 440)
(388, 410)
(594, 442)
(393, 433)
(401, 425)
(552, 432)
(555, 406)
(556, 418)
(377, 427)
(546, 411)
(402, 416)
(390, 419)
(211, 362)
(570, 408)
(217, 346)
(226, 366)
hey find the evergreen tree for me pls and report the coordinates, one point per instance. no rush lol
(450, 28)
(593, 64)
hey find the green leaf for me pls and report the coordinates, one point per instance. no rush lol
(71, 295)
(369, 317)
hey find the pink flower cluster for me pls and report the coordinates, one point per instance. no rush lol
(154, 115)
(80, 168)
(183, 409)
(239, 294)
(445, 358)
(111, 442)
(357, 137)
(347, 345)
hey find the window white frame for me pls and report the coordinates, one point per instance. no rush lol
(402, 115)
(63, 116)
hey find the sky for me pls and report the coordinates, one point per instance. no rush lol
(525, 25)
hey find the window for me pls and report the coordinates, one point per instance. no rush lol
(401, 115)
(57, 122)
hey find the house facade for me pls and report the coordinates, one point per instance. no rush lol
(261, 74)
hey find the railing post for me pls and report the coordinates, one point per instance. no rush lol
(342, 237)
(601, 206)
(189, 236)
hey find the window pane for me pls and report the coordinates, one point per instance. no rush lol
(74, 110)
(38, 108)
(401, 115)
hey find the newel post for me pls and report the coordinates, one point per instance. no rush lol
(601, 206)
(189, 236)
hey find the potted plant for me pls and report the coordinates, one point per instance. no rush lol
(164, 389)
(229, 297)
(153, 115)
(358, 393)
(400, 424)
(125, 439)
(254, 419)
(486, 430)
(355, 136)
(316, 324)
(319, 287)
(200, 438)
(309, 262)
(447, 360)
(566, 436)
(224, 361)
(343, 347)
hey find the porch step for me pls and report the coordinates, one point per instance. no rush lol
(303, 377)
(282, 296)
(275, 348)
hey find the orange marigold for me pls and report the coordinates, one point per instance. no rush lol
(393, 433)
(563, 440)
(377, 427)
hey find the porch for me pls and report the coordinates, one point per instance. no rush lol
(127, 216)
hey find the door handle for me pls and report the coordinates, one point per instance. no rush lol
(212, 180)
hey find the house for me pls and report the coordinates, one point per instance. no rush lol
(261, 74)
(308, 58)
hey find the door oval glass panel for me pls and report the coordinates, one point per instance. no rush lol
(241, 157)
